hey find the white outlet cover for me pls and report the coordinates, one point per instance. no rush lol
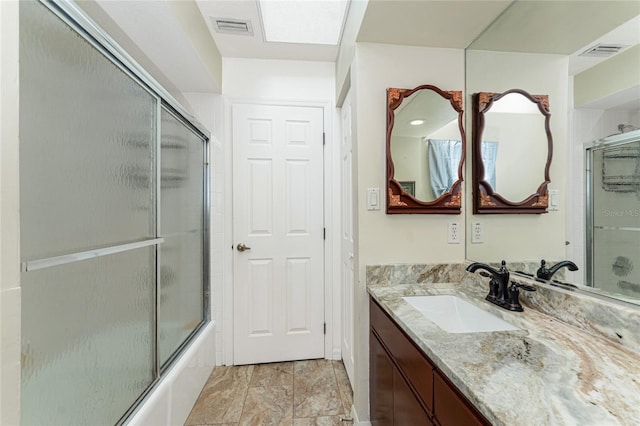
(476, 233)
(453, 233)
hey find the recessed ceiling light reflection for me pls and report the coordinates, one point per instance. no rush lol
(416, 122)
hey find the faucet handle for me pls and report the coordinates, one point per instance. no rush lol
(523, 286)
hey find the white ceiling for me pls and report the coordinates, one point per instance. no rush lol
(178, 46)
(563, 28)
(168, 34)
(254, 46)
(553, 27)
(446, 24)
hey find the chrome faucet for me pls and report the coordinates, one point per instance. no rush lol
(545, 273)
(500, 292)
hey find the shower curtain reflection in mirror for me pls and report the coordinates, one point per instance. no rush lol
(444, 158)
(489, 155)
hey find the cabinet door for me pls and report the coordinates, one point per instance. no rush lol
(407, 411)
(381, 384)
(415, 366)
(450, 409)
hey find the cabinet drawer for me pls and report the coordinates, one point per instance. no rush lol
(452, 409)
(417, 370)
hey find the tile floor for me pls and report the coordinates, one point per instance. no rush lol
(298, 393)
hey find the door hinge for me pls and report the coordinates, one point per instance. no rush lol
(325, 328)
(324, 140)
(324, 233)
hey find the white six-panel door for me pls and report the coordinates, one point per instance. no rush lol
(278, 215)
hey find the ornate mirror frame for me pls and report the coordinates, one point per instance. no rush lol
(398, 200)
(485, 200)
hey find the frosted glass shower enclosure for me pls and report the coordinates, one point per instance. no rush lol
(613, 215)
(113, 184)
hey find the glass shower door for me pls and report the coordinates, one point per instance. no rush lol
(182, 182)
(613, 223)
(88, 215)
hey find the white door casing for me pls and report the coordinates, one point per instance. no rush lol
(346, 237)
(278, 212)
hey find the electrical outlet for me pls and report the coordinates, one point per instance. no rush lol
(453, 233)
(476, 233)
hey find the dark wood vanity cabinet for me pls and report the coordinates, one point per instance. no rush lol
(405, 388)
(392, 400)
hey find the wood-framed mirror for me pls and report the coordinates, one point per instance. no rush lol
(512, 151)
(425, 150)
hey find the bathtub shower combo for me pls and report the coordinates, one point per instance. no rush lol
(113, 188)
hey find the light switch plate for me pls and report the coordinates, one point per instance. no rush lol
(373, 198)
(554, 199)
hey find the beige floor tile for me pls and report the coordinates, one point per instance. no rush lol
(319, 421)
(218, 424)
(222, 397)
(275, 374)
(301, 393)
(315, 389)
(344, 386)
(268, 406)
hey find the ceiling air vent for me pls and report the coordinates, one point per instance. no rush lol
(232, 26)
(603, 50)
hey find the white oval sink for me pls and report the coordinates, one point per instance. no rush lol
(456, 315)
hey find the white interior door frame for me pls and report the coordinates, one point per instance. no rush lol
(347, 251)
(331, 220)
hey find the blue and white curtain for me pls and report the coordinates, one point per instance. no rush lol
(444, 158)
(489, 152)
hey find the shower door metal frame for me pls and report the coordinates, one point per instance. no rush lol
(84, 26)
(608, 142)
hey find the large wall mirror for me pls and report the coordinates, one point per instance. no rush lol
(425, 150)
(589, 103)
(512, 151)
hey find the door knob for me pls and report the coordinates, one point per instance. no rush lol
(242, 247)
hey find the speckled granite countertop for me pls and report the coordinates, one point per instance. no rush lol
(547, 373)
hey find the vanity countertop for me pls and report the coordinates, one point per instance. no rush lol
(547, 373)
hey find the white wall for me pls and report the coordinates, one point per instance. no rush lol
(10, 296)
(286, 82)
(391, 238)
(410, 164)
(596, 83)
(347, 50)
(407, 238)
(522, 236)
(207, 109)
(514, 134)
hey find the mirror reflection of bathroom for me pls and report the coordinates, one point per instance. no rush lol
(514, 128)
(613, 214)
(591, 91)
(426, 145)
